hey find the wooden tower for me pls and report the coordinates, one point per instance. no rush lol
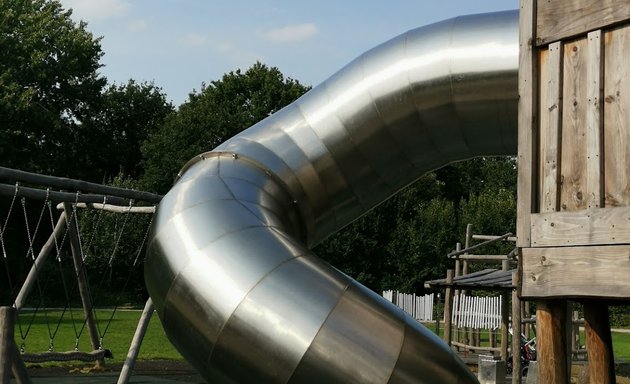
(574, 172)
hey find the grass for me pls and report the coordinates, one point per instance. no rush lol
(117, 337)
(155, 345)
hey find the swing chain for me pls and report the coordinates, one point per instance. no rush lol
(51, 346)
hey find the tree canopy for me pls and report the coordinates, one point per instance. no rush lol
(48, 74)
(219, 111)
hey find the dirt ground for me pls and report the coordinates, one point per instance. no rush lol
(173, 370)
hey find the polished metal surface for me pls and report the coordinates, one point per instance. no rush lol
(229, 265)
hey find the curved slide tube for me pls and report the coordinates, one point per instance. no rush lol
(229, 268)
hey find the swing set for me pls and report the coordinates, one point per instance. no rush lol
(95, 241)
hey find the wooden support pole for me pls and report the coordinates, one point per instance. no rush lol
(601, 367)
(448, 308)
(516, 331)
(134, 348)
(7, 318)
(10, 359)
(84, 290)
(505, 320)
(551, 342)
(39, 262)
(458, 272)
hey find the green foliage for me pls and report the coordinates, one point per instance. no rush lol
(213, 115)
(115, 127)
(48, 74)
(403, 243)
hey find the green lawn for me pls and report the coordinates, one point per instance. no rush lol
(155, 346)
(116, 338)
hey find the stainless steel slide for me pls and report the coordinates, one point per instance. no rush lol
(229, 265)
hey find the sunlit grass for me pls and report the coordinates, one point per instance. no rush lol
(117, 337)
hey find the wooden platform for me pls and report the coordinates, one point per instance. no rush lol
(485, 279)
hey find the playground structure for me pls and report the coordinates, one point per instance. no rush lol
(63, 237)
(238, 224)
(573, 168)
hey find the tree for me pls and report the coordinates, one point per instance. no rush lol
(116, 126)
(213, 115)
(48, 74)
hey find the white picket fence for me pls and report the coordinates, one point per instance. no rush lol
(477, 311)
(480, 312)
(420, 307)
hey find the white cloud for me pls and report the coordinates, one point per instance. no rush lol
(95, 10)
(194, 40)
(292, 33)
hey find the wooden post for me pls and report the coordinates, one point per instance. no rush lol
(82, 282)
(7, 318)
(458, 272)
(601, 367)
(467, 331)
(10, 359)
(516, 331)
(39, 262)
(551, 341)
(134, 348)
(527, 315)
(505, 319)
(448, 307)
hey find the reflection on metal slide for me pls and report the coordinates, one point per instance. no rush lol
(229, 265)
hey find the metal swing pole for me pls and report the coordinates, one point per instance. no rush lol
(136, 343)
(86, 301)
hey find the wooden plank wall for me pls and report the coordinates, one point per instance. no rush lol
(582, 172)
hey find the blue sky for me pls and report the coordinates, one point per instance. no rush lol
(178, 44)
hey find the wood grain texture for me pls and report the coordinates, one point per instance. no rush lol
(527, 123)
(617, 117)
(550, 343)
(598, 342)
(594, 91)
(559, 19)
(574, 106)
(550, 115)
(595, 271)
(596, 226)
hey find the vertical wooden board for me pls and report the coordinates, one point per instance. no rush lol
(574, 106)
(617, 117)
(527, 123)
(594, 87)
(550, 114)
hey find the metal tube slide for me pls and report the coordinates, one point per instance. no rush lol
(229, 267)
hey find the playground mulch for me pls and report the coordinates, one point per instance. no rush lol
(145, 371)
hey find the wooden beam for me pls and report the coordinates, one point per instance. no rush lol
(601, 365)
(616, 117)
(82, 282)
(595, 271)
(560, 19)
(573, 163)
(448, 308)
(7, 320)
(527, 122)
(550, 118)
(594, 121)
(551, 342)
(516, 332)
(597, 226)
